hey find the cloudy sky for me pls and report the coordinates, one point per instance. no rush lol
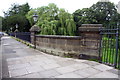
(69, 5)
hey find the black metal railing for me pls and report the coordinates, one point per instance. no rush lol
(21, 35)
(109, 52)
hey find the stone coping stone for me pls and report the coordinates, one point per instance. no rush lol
(91, 25)
(35, 28)
(88, 29)
(59, 36)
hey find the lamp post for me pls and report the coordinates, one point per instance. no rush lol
(16, 29)
(11, 29)
(16, 26)
(34, 29)
(35, 18)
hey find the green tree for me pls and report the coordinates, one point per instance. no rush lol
(47, 19)
(16, 15)
(84, 16)
(29, 16)
(100, 13)
(53, 21)
(23, 9)
(67, 25)
(1, 18)
(105, 13)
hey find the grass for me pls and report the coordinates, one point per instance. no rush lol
(109, 51)
(24, 42)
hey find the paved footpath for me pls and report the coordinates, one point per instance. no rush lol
(20, 61)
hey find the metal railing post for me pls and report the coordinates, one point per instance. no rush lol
(100, 45)
(116, 55)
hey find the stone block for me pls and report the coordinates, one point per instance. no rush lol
(65, 69)
(33, 69)
(104, 74)
(79, 66)
(69, 75)
(86, 72)
(49, 73)
(102, 67)
(31, 75)
(17, 72)
(18, 66)
(50, 66)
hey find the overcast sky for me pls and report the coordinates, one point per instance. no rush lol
(69, 5)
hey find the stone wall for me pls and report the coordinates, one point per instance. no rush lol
(91, 38)
(73, 46)
(59, 45)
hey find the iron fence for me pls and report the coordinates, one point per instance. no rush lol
(109, 52)
(21, 35)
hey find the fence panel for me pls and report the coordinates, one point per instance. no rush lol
(21, 35)
(110, 46)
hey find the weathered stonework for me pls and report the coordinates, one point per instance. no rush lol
(90, 34)
(86, 44)
(58, 45)
(33, 30)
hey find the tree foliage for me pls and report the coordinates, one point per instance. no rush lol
(66, 22)
(105, 13)
(53, 21)
(16, 15)
(100, 13)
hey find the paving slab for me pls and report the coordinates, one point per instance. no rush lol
(50, 66)
(49, 73)
(115, 71)
(69, 75)
(104, 74)
(49, 61)
(86, 72)
(65, 69)
(17, 72)
(80, 66)
(66, 63)
(37, 63)
(18, 66)
(14, 62)
(102, 67)
(91, 63)
(33, 69)
(32, 75)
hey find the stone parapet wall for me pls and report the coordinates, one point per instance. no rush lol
(86, 44)
(63, 45)
(59, 42)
